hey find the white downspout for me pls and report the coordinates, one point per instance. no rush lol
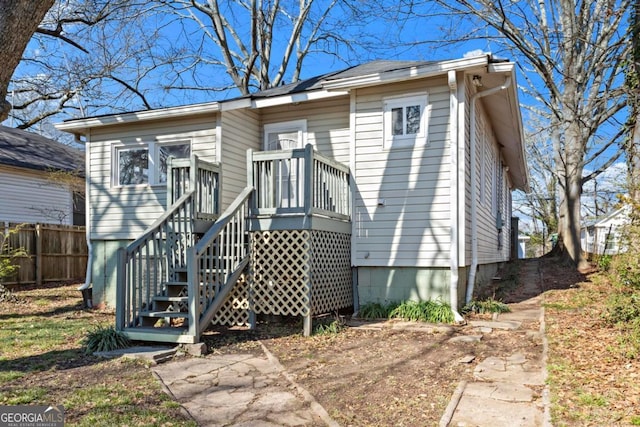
(474, 196)
(453, 131)
(87, 221)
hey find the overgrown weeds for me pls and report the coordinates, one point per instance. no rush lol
(488, 305)
(423, 311)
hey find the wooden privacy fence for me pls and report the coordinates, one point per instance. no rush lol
(55, 253)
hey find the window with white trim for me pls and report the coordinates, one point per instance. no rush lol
(145, 164)
(405, 121)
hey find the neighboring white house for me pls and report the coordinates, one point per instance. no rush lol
(434, 150)
(603, 236)
(27, 192)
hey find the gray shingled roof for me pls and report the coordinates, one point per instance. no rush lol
(315, 83)
(28, 150)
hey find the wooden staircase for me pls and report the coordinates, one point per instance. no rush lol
(173, 278)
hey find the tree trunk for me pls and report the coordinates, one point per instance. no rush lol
(570, 215)
(19, 19)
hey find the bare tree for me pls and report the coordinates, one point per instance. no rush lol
(86, 57)
(632, 142)
(263, 44)
(571, 54)
(93, 57)
(19, 19)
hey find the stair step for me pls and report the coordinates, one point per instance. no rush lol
(170, 314)
(149, 333)
(164, 298)
(176, 283)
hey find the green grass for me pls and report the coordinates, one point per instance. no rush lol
(47, 365)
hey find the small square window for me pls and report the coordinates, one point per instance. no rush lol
(405, 121)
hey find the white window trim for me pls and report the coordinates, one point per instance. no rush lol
(404, 141)
(299, 126)
(153, 149)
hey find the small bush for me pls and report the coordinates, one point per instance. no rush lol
(622, 307)
(604, 262)
(489, 305)
(329, 328)
(376, 310)
(105, 339)
(425, 311)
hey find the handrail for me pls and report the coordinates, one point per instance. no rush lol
(151, 229)
(216, 261)
(147, 262)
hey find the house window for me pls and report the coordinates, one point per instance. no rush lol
(164, 151)
(133, 166)
(146, 164)
(405, 121)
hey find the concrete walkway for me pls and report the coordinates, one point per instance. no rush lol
(508, 391)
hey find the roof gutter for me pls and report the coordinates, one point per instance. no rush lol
(417, 72)
(474, 197)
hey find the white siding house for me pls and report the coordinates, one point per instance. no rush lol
(604, 235)
(28, 191)
(434, 150)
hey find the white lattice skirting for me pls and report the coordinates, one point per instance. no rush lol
(300, 272)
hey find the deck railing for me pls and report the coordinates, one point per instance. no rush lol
(216, 262)
(299, 181)
(147, 263)
(204, 177)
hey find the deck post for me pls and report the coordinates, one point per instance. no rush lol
(307, 325)
(194, 294)
(308, 179)
(121, 283)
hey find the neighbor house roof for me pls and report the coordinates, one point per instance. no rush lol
(22, 149)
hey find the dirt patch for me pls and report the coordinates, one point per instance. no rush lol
(592, 381)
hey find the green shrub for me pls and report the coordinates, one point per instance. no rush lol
(489, 305)
(7, 265)
(425, 311)
(329, 328)
(376, 310)
(105, 339)
(622, 307)
(604, 262)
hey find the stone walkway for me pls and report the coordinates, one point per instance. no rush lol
(240, 390)
(508, 391)
(243, 390)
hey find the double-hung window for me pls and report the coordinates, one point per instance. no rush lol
(405, 121)
(145, 164)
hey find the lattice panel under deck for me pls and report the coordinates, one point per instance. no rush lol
(280, 263)
(331, 278)
(235, 310)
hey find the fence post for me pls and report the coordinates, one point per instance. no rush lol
(38, 254)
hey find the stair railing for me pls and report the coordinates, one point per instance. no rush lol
(216, 262)
(146, 263)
